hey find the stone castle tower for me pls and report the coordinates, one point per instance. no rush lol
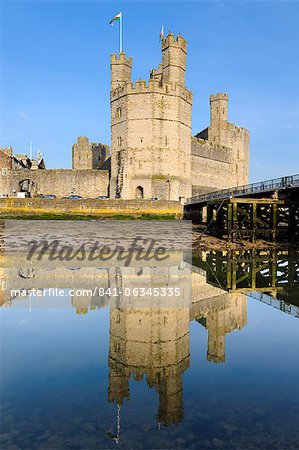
(88, 155)
(153, 151)
(151, 127)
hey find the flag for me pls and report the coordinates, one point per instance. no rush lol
(161, 36)
(118, 17)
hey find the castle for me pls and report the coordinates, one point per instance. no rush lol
(153, 152)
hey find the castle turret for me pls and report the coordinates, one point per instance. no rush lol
(174, 51)
(218, 109)
(120, 70)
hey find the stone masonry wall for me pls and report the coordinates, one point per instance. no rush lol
(60, 182)
(211, 167)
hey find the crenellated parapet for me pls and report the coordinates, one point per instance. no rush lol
(237, 129)
(218, 97)
(174, 41)
(150, 87)
(120, 59)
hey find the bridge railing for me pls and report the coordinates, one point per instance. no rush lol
(268, 185)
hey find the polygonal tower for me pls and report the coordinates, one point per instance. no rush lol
(151, 127)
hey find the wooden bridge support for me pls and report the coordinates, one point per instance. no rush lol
(252, 219)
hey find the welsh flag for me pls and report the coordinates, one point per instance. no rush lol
(118, 17)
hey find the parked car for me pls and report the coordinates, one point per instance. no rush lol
(74, 197)
(48, 196)
(23, 194)
(102, 197)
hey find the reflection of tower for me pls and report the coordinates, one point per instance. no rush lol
(216, 337)
(219, 312)
(153, 342)
(219, 323)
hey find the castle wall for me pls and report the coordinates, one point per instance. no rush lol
(60, 182)
(212, 167)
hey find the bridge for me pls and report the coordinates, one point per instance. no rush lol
(265, 210)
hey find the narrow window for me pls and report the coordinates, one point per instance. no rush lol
(119, 141)
(118, 113)
(166, 140)
(4, 171)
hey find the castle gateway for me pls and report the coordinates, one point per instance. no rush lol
(153, 152)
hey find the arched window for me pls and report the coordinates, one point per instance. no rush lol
(139, 192)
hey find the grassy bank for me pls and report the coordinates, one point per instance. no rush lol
(88, 209)
(52, 216)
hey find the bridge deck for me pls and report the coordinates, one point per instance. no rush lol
(252, 190)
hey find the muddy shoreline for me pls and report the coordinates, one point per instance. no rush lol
(202, 241)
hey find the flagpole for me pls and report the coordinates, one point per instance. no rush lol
(121, 34)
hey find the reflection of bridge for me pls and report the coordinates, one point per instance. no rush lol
(267, 210)
(273, 272)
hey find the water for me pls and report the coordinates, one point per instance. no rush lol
(216, 367)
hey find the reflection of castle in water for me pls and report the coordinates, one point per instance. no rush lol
(147, 340)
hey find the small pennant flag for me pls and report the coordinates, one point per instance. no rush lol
(118, 17)
(161, 36)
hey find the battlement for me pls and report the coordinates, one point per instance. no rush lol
(121, 59)
(240, 130)
(171, 40)
(82, 140)
(210, 144)
(152, 86)
(219, 96)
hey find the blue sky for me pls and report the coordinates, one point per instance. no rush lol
(55, 71)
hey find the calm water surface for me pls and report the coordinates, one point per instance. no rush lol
(216, 370)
